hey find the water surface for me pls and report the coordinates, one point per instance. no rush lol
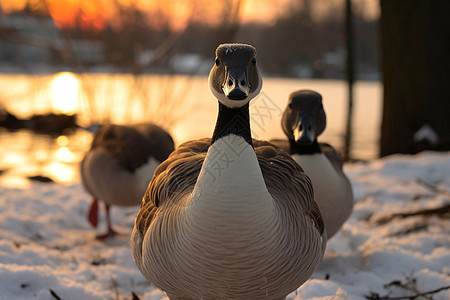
(181, 104)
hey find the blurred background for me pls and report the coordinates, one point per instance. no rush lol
(68, 65)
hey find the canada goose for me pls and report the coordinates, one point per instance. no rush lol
(303, 121)
(229, 217)
(120, 164)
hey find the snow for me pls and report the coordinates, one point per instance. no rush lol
(426, 133)
(48, 250)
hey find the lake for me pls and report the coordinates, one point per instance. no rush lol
(181, 104)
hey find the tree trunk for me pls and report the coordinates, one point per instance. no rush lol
(415, 37)
(350, 75)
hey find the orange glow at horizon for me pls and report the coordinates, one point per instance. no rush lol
(94, 15)
(11, 6)
(91, 15)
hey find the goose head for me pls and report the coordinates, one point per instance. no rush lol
(304, 118)
(235, 79)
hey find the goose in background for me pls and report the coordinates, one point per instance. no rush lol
(229, 217)
(120, 164)
(303, 121)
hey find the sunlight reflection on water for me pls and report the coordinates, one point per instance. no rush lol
(24, 153)
(181, 104)
(65, 92)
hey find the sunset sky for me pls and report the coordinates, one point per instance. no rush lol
(96, 13)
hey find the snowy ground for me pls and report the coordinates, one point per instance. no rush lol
(48, 251)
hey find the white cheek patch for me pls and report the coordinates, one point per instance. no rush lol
(256, 92)
(225, 101)
(233, 103)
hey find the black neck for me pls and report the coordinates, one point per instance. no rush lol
(305, 149)
(233, 121)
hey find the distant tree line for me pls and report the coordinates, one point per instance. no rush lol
(296, 44)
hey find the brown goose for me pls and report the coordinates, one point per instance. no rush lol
(229, 217)
(120, 164)
(303, 121)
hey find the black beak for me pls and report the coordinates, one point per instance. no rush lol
(303, 131)
(235, 86)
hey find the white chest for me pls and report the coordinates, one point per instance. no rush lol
(332, 191)
(319, 169)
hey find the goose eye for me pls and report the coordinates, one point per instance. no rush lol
(254, 60)
(217, 62)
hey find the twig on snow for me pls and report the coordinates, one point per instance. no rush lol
(55, 295)
(135, 297)
(376, 296)
(408, 287)
(438, 211)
